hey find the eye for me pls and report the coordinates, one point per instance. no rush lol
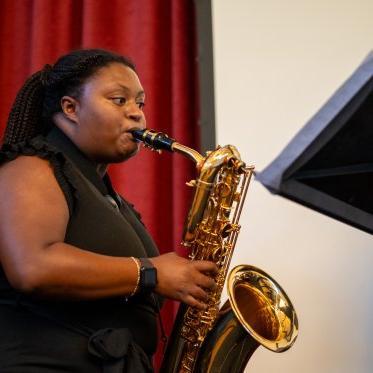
(140, 104)
(118, 100)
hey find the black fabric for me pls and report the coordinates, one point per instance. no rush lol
(115, 349)
(114, 346)
(98, 225)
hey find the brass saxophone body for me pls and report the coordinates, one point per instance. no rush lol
(258, 310)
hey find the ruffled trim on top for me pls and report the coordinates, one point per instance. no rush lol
(38, 146)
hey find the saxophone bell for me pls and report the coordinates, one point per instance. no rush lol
(257, 313)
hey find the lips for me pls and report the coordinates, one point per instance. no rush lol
(135, 129)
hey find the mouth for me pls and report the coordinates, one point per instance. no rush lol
(135, 138)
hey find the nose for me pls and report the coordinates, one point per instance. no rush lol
(135, 113)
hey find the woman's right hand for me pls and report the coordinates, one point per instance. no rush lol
(184, 280)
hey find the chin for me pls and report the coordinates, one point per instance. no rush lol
(124, 156)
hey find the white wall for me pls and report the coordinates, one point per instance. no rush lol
(276, 63)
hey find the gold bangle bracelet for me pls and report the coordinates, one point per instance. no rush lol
(134, 291)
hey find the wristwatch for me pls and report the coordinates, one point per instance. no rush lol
(148, 276)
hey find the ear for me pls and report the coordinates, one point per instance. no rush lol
(70, 108)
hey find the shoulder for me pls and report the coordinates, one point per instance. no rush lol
(31, 179)
(25, 168)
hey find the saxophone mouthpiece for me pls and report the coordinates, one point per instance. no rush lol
(153, 139)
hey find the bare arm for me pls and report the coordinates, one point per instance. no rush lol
(34, 217)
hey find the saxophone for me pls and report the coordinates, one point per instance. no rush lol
(258, 311)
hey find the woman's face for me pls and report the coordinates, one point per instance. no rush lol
(108, 109)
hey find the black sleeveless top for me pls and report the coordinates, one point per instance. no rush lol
(102, 222)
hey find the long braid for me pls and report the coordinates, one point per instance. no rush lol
(40, 97)
(24, 118)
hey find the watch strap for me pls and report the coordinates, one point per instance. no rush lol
(148, 276)
(146, 263)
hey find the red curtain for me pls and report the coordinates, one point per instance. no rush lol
(159, 36)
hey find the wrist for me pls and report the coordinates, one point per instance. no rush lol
(148, 276)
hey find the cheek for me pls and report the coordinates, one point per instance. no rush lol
(101, 123)
(106, 125)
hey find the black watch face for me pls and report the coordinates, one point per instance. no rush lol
(149, 278)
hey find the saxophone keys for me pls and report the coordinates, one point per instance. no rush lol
(159, 151)
(227, 230)
(237, 196)
(236, 227)
(191, 183)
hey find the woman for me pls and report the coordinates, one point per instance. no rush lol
(77, 293)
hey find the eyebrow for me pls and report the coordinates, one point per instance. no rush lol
(140, 93)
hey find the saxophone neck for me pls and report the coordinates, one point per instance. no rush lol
(188, 153)
(159, 141)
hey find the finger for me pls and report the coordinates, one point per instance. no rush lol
(205, 266)
(193, 302)
(205, 282)
(199, 294)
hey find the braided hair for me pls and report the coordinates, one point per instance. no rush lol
(40, 97)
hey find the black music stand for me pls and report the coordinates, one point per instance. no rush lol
(328, 165)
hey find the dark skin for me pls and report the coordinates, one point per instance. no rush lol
(34, 215)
